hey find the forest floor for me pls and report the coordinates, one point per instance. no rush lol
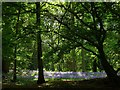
(93, 84)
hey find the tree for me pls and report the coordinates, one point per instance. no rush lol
(39, 46)
(63, 31)
(15, 49)
(91, 23)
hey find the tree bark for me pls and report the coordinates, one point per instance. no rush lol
(15, 49)
(34, 58)
(74, 60)
(94, 66)
(15, 61)
(39, 46)
(5, 67)
(111, 73)
(83, 58)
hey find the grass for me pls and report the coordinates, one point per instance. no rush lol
(27, 84)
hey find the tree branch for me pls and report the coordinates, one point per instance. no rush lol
(79, 44)
(66, 25)
(102, 30)
(112, 10)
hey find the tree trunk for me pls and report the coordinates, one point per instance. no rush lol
(40, 63)
(94, 66)
(34, 58)
(39, 46)
(111, 73)
(15, 50)
(74, 60)
(52, 67)
(83, 58)
(5, 66)
(14, 71)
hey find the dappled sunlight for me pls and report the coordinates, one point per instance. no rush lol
(60, 45)
(60, 83)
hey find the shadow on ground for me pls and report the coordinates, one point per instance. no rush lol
(93, 84)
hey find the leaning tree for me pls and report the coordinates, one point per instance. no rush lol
(90, 24)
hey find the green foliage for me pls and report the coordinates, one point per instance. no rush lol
(66, 29)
